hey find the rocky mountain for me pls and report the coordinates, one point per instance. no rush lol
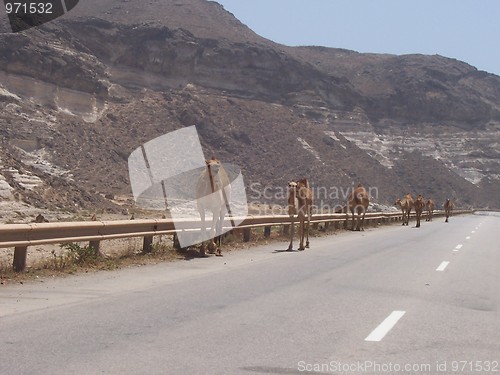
(80, 94)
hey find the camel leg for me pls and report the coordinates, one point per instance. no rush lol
(212, 247)
(203, 232)
(292, 229)
(301, 232)
(219, 233)
(307, 230)
(363, 221)
(358, 219)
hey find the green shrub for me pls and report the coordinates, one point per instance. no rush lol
(81, 255)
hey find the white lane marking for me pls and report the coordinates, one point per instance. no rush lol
(384, 327)
(467, 238)
(458, 247)
(473, 232)
(442, 266)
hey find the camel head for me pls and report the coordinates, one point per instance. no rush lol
(398, 202)
(292, 185)
(213, 165)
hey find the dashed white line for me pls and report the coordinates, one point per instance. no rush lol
(383, 328)
(442, 266)
(458, 247)
(467, 238)
(473, 232)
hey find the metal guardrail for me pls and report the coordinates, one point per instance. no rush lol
(21, 236)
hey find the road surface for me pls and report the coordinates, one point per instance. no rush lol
(388, 300)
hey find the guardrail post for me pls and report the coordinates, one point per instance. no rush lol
(176, 243)
(147, 244)
(96, 245)
(246, 234)
(20, 254)
(267, 232)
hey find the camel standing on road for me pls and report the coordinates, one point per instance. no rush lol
(406, 205)
(213, 192)
(358, 201)
(448, 207)
(430, 209)
(419, 205)
(300, 200)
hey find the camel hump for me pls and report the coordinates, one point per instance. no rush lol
(303, 182)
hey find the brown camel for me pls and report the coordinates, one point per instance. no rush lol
(430, 209)
(213, 192)
(358, 201)
(419, 205)
(448, 207)
(300, 200)
(406, 205)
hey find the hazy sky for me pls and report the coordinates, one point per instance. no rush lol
(468, 30)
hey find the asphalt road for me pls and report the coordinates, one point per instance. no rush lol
(387, 300)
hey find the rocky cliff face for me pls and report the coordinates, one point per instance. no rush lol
(77, 96)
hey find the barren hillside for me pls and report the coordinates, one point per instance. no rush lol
(80, 94)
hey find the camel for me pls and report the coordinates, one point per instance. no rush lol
(358, 200)
(430, 209)
(419, 205)
(448, 207)
(300, 199)
(406, 205)
(213, 192)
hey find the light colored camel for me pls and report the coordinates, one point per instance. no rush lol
(358, 201)
(419, 205)
(430, 209)
(406, 205)
(213, 192)
(448, 207)
(300, 200)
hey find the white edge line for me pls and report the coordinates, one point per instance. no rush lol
(442, 266)
(383, 328)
